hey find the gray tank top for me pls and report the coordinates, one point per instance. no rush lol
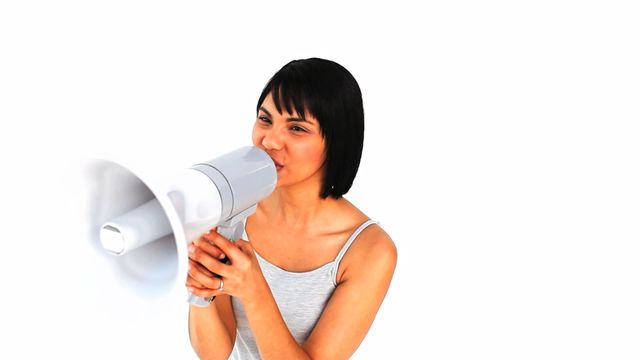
(301, 298)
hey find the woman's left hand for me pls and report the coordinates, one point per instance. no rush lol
(242, 275)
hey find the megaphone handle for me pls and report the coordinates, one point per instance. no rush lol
(233, 233)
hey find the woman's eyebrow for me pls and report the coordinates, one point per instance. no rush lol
(265, 110)
(290, 119)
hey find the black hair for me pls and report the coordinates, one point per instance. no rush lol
(328, 92)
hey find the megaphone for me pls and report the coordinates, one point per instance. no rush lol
(148, 225)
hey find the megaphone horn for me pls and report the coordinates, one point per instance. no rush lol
(149, 227)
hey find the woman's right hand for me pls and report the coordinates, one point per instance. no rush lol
(199, 277)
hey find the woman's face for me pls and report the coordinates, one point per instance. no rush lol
(295, 145)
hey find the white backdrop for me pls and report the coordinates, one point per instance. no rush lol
(501, 155)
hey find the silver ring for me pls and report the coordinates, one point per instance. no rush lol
(221, 287)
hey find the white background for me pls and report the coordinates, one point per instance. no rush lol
(501, 154)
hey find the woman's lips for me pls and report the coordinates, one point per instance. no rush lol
(277, 164)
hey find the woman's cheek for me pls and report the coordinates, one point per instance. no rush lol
(313, 153)
(256, 135)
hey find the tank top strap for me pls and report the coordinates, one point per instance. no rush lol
(345, 247)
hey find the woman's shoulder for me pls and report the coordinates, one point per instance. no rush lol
(373, 254)
(374, 242)
(373, 238)
(376, 236)
(373, 250)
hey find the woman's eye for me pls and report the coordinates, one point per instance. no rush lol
(297, 128)
(264, 119)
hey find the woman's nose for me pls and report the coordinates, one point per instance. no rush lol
(272, 140)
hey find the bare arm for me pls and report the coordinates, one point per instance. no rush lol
(355, 302)
(212, 330)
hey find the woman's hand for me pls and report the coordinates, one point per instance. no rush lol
(242, 275)
(201, 281)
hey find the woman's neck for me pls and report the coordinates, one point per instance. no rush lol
(296, 207)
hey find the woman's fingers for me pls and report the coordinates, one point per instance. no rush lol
(227, 247)
(245, 247)
(206, 245)
(210, 263)
(191, 283)
(199, 275)
(201, 268)
(195, 287)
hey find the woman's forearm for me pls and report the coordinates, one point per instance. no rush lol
(209, 335)
(270, 331)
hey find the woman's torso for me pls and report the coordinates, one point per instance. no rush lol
(302, 274)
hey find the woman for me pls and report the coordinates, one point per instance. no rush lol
(310, 281)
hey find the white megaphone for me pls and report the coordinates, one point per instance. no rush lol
(149, 225)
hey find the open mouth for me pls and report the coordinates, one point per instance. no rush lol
(277, 164)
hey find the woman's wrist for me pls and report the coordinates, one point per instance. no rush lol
(257, 294)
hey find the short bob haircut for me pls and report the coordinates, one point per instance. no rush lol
(327, 91)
